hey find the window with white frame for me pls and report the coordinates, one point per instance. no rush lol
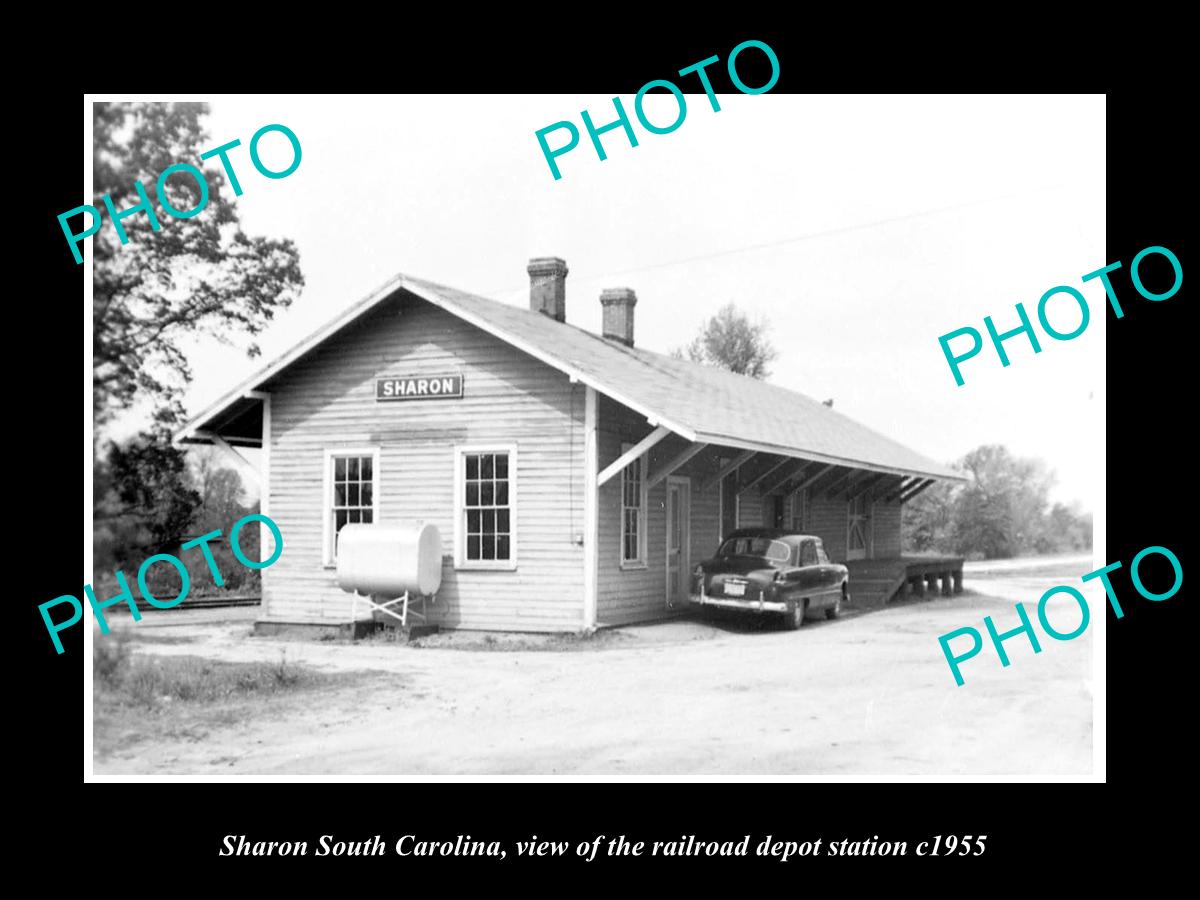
(633, 512)
(351, 493)
(485, 511)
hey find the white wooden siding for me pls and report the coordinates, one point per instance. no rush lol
(639, 594)
(327, 400)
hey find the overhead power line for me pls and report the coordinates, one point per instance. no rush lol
(767, 244)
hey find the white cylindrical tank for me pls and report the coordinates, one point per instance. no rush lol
(390, 559)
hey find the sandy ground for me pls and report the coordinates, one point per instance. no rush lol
(868, 694)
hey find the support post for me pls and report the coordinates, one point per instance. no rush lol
(675, 464)
(958, 581)
(919, 584)
(232, 452)
(860, 488)
(905, 483)
(947, 588)
(815, 477)
(591, 506)
(794, 472)
(921, 487)
(635, 452)
(266, 540)
(757, 479)
(931, 578)
(732, 466)
(845, 481)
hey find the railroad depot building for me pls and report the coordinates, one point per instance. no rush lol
(575, 478)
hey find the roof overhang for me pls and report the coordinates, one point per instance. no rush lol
(724, 440)
(204, 420)
(232, 410)
(190, 433)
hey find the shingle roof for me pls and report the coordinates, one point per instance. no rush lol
(702, 403)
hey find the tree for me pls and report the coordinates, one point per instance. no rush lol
(732, 341)
(222, 495)
(221, 492)
(1067, 528)
(928, 519)
(201, 275)
(154, 294)
(1000, 512)
(148, 480)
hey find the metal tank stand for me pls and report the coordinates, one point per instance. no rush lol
(386, 607)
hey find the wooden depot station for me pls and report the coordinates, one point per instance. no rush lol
(576, 479)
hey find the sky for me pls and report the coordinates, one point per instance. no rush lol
(861, 228)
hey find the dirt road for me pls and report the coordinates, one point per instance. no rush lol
(868, 694)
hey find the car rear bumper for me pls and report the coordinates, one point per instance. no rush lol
(758, 605)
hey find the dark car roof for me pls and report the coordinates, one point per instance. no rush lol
(778, 534)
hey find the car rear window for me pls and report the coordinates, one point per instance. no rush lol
(756, 546)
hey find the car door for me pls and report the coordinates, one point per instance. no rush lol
(814, 579)
(831, 578)
(792, 575)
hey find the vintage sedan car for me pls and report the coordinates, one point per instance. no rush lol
(771, 570)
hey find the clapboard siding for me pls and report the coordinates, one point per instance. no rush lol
(327, 401)
(827, 520)
(886, 524)
(751, 511)
(629, 594)
(639, 594)
(706, 520)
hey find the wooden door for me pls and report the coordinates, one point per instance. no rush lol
(678, 537)
(858, 528)
(729, 519)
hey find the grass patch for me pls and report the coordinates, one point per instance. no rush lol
(148, 681)
(507, 642)
(146, 636)
(139, 698)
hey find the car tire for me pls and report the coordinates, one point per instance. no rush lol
(794, 617)
(835, 611)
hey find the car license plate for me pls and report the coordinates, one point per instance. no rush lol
(735, 589)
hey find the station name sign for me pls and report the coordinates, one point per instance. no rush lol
(419, 387)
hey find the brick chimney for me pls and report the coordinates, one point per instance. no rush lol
(618, 306)
(548, 286)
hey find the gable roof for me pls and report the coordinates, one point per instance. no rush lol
(700, 403)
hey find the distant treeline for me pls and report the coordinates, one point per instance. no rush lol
(1003, 510)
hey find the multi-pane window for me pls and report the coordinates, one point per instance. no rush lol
(487, 507)
(351, 493)
(632, 513)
